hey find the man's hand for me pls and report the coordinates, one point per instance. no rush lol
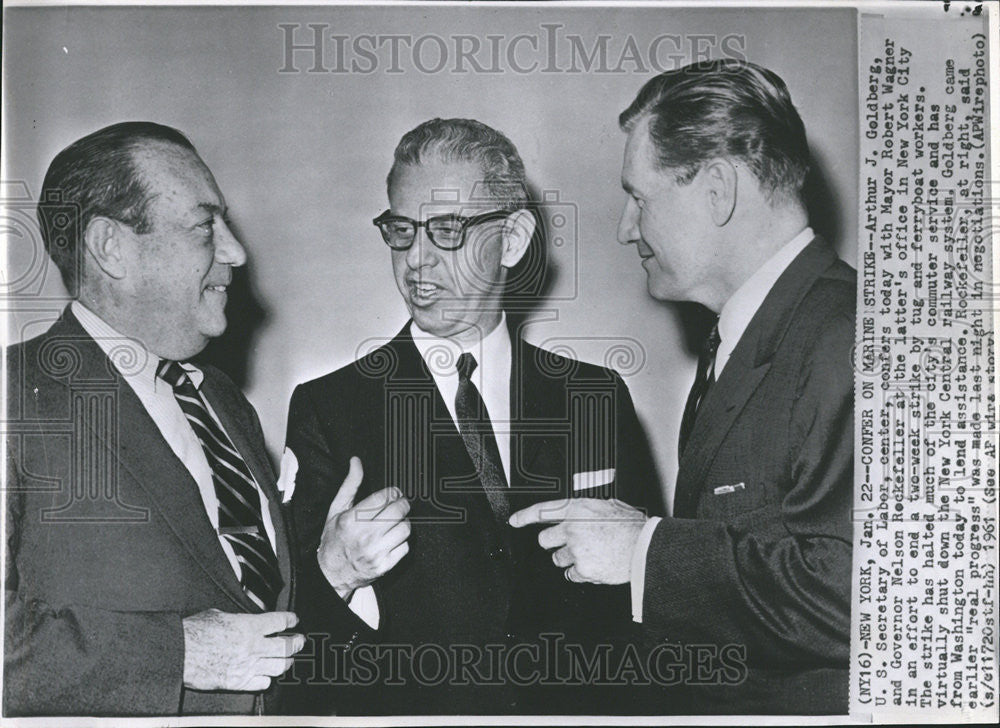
(225, 651)
(593, 539)
(362, 542)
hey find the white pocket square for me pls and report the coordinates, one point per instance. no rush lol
(723, 489)
(286, 480)
(592, 479)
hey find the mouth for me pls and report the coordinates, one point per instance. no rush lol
(423, 292)
(218, 288)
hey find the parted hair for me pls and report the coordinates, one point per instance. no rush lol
(97, 176)
(467, 140)
(724, 108)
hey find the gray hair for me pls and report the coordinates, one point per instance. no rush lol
(467, 140)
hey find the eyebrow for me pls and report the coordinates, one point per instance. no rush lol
(213, 208)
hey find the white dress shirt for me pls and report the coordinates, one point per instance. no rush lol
(138, 369)
(734, 318)
(492, 378)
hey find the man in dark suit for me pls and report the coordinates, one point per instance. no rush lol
(148, 566)
(755, 563)
(456, 423)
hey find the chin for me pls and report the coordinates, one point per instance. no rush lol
(184, 350)
(212, 328)
(658, 291)
(431, 322)
(660, 285)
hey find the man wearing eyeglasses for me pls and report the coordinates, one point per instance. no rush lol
(438, 437)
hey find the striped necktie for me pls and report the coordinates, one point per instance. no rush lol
(240, 521)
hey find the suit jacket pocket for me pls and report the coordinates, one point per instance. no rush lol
(727, 501)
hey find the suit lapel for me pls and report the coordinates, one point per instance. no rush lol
(145, 457)
(722, 405)
(532, 402)
(254, 458)
(745, 370)
(445, 459)
(148, 458)
(260, 467)
(543, 426)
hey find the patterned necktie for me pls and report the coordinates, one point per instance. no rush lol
(480, 441)
(240, 521)
(703, 379)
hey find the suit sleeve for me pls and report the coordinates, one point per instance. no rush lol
(78, 660)
(781, 588)
(319, 475)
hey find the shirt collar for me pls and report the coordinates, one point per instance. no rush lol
(128, 356)
(742, 305)
(440, 355)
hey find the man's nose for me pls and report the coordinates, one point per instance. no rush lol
(228, 250)
(422, 252)
(628, 225)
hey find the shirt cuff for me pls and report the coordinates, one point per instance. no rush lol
(364, 604)
(638, 568)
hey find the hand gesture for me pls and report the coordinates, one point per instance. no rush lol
(593, 539)
(361, 542)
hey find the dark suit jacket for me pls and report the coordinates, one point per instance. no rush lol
(766, 566)
(468, 579)
(108, 543)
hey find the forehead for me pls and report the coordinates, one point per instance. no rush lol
(176, 177)
(436, 186)
(639, 168)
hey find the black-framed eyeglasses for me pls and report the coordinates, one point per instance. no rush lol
(445, 231)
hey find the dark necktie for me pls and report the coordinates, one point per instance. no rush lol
(480, 441)
(703, 379)
(240, 521)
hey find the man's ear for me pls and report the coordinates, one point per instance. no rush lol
(721, 181)
(518, 229)
(104, 239)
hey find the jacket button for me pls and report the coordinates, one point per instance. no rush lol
(497, 553)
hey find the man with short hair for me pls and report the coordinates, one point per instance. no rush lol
(755, 562)
(148, 566)
(455, 423)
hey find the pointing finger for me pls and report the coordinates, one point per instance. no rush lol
(547, 512)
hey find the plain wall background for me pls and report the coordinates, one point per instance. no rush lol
(302, 159)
